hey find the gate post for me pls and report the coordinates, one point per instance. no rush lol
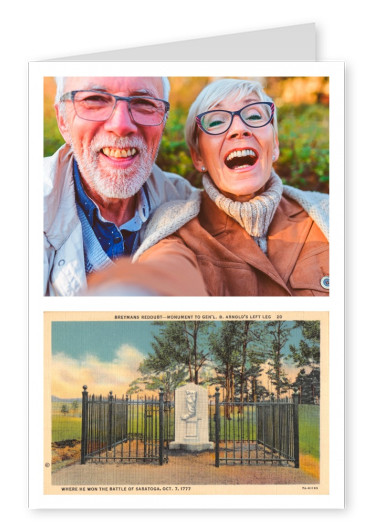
(217, 426)
(295, 398)
(126, 418)
(273, 421)
(84, 424)
(109, 434)
(161, 425)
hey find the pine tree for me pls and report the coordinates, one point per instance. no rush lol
(279, 334)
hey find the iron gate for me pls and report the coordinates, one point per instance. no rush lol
(256, 432)
(129, 430)
(125, 429)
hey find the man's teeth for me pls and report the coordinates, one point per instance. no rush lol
(241, 153)
(119, 153)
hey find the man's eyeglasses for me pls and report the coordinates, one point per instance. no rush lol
(98, 106)
(253, 115)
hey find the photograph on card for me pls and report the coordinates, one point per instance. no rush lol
(172, 403)
(186, 186)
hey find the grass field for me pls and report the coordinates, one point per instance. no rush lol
(65, 427)
(309, 430)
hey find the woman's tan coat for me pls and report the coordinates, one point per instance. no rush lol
(213, 255)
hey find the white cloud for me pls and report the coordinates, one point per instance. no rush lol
(68, 374)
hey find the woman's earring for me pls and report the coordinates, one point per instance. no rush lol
(203, 168)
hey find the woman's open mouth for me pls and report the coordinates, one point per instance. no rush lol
(241, 158)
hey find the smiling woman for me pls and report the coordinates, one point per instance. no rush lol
(249, 234)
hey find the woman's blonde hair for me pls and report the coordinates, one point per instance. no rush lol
(216, 92)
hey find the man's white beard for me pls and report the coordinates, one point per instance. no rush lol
(115, 183)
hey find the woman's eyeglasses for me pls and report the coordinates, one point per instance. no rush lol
(254, 115)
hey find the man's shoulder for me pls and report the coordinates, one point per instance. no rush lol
(59, 198)
(56, 166)
(165, 186)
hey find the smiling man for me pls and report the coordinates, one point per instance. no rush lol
(102, 186)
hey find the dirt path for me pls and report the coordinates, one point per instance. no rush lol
(181, 470)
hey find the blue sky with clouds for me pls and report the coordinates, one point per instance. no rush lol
(101, 338)
(104, 355)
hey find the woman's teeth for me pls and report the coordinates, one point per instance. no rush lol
(119, 153)
(241, 158)
(241, 153)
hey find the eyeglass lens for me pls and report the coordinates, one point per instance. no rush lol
(98, 107)
(255, 115)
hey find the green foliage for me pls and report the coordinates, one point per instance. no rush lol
(154, 379)
(279, 332)
(179, 353)
(304, 146)
(174, 155)
(52, 137)
(238, 353)
(308, 353)
(308, 385)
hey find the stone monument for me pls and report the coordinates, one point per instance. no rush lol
(191, 419)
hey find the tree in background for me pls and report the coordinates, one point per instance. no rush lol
(179, 353)
(279, 333)
(308, 353)
(253, 355)
(239, 353)
(168, 380)
(308, 385)
(64, 409)
(225, 346)
(256, 359)
(307, 357)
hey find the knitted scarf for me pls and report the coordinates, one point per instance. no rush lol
(255, 215)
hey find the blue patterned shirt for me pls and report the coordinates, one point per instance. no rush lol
(115, 241)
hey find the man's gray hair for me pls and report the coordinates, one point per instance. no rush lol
(60, 84)
(213, 94)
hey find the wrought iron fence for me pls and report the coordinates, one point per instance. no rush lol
(126, 429)
(255, 432)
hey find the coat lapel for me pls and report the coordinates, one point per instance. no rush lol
(287, 234)
(237, 241)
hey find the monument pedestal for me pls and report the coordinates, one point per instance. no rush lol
(191, 419)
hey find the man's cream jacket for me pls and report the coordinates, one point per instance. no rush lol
(64, 264)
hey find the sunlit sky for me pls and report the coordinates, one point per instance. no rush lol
(103, 355)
